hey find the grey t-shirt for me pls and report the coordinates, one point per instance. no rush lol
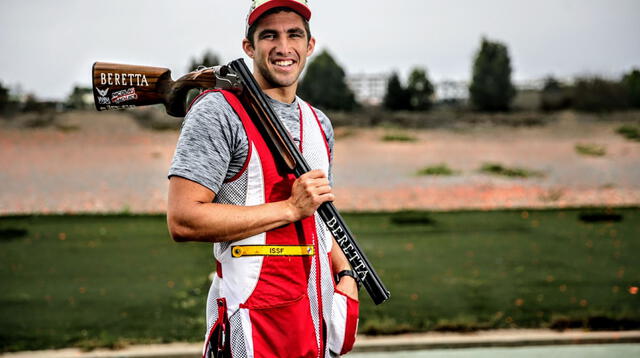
(213, 145)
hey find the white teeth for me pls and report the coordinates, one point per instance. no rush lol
(284, 63)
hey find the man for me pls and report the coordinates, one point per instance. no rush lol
(274, 293)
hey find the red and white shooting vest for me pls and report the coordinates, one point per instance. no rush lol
(280, 306)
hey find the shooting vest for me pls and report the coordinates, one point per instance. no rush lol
(278, 286)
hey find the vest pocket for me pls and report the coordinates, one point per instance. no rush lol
(283, 330)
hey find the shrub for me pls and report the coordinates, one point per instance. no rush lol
(515, 172)
(439, 169)
(591, 149)
(595, 94)
(398, 137)
(555, 96)
(630, 132)
(76, 100)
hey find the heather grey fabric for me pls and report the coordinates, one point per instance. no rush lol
(213, 145)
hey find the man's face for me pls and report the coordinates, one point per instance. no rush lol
(281, 48)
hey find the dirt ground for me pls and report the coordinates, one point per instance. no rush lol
(106, 162)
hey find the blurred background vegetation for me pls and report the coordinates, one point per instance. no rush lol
(365, 98)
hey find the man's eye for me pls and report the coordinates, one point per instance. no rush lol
(268, 37)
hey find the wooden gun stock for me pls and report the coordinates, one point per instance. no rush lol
(118, 86)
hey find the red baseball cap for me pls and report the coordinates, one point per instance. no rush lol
(259, 7)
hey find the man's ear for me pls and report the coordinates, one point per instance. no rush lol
(311, 46)
(248, 49)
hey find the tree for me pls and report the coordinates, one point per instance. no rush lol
(419, 90)
(80, 98)
(491, 88)
(209, 59)
(397, 97)
(4, 98)
(9, 104)
(31, 104)
(631, 82)
(554, 96)
(324, 84)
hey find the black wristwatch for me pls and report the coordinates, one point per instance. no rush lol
(350, 273)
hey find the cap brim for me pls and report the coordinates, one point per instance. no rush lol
(293, 5)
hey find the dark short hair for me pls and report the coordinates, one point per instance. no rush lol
(252, 29)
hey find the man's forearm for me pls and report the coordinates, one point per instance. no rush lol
(339, 261)
(192, 215)
(212, 222)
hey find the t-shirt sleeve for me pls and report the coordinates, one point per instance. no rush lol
(327, 128)
(212, 145)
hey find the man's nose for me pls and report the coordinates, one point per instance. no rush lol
(283, 46)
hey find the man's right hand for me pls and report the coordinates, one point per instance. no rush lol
(308, 192)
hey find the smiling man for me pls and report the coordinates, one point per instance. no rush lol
(282, 287)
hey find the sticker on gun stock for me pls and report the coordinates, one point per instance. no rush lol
(103, 96)
(124, 95)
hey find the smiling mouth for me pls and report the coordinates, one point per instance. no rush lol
(285, 64)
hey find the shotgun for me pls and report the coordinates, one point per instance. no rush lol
(118, 86)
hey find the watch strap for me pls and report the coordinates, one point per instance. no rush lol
(350, 273)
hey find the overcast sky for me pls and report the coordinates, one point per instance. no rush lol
(48, 46)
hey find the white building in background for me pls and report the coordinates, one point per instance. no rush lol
(371, 88)
(449, 90)
(531, 85)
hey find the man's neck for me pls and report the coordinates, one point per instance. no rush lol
(282, 94)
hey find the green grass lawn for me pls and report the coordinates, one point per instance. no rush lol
(113, 280)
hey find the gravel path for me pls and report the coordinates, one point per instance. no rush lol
(104, 162)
